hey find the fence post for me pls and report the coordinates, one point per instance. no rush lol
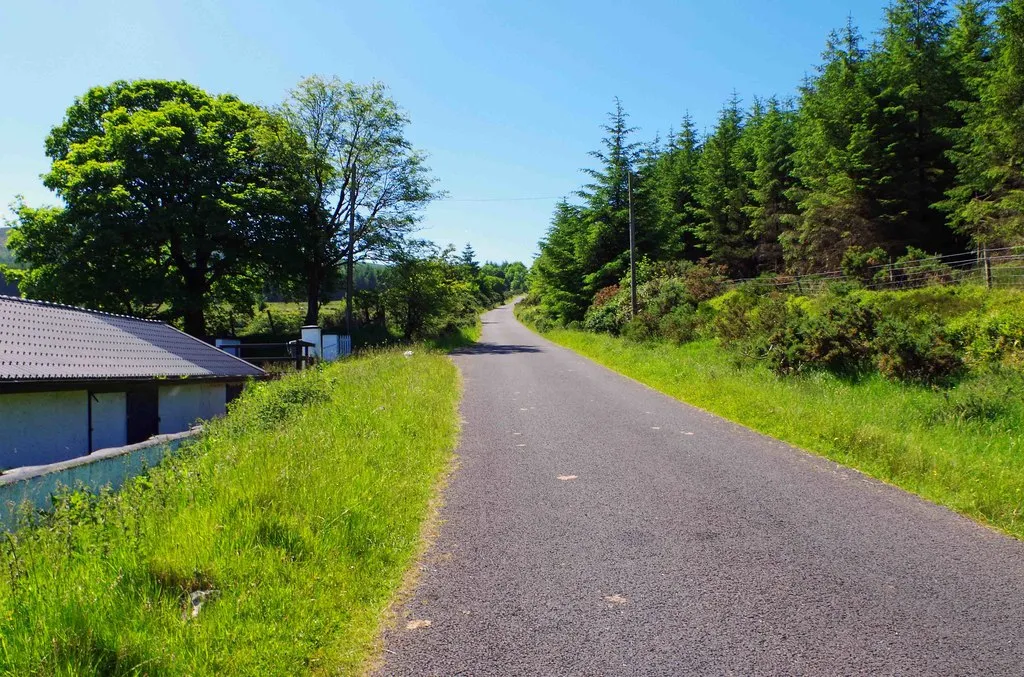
(988, 267)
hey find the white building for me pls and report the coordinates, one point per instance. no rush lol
(73, 381)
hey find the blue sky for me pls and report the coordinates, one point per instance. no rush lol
(506, 97)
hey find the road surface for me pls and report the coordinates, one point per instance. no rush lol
(597, 527)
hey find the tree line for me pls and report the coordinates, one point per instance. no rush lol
(176, 201)
(914, 141)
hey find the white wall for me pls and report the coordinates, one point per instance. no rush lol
(38, 428)
(183, 405)
(109, 421)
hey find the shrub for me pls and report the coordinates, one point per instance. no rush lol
(994, 337)
(838, 338)
(609, 312)
(662, 295)
(732, 319)
(704, 280)
(605, 295)
(680, 326)
(643, 327)
(915, 351)
(918, 268)
(266, 405)
(861, 265)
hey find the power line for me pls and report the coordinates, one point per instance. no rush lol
(500, 199)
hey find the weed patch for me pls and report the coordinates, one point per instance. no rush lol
(269, 547)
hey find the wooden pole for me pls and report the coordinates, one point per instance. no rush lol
(632, 245)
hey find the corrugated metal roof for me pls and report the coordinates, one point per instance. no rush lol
(47, 341)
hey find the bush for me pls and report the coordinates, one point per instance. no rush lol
(780, 331)
(662, 295)
(704, 280)
(732, 319)
(266, 405)
(993, 337)
(918, 268)
(840, 339)
(681, 325)
(917, 351)
(861, 265)
(609, 313)
(643, 327)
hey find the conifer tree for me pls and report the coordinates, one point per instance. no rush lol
(989, 198)
(558, 273)
(971, 46)
(675, 199)
(606, 247)
(468, 259)
(914, 79)
(769, 135)
(834, 153)
(722, 191)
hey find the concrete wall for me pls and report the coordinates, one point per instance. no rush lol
(43, 428)
(182, 405)
(27, 489)
(109, 420)
(39, 428)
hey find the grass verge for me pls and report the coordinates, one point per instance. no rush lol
(295, 518)
(962, 448)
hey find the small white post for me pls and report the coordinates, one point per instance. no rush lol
(311, 334)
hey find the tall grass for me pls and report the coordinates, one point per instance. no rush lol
(963, 448)
(294, 519)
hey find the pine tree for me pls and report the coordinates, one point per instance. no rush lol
(769, 135)
(722, 191)
(833, 159)
(674, 183)
(914, 79)
(971, 46)
(468, 259)
(989, 197)
(606, 250)
(558, 273)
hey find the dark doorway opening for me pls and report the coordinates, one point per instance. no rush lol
(143, 408)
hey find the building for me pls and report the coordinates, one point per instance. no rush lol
(73, 381)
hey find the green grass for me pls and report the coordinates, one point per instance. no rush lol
(962, 448)
(302, 509)
(462, 337)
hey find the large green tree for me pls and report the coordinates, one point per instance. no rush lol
(362, 182)
(558, 272)
(167, 191)
(674, 185)
(914, 80)
(723, 193)
(769, 135)
(834, 159)
(605, 246)
(987, 203)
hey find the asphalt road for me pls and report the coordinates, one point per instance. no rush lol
(596, 527)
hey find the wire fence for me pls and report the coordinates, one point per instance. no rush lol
(994, 268)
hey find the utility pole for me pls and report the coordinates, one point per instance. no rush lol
(349, 267)
(632, 244)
